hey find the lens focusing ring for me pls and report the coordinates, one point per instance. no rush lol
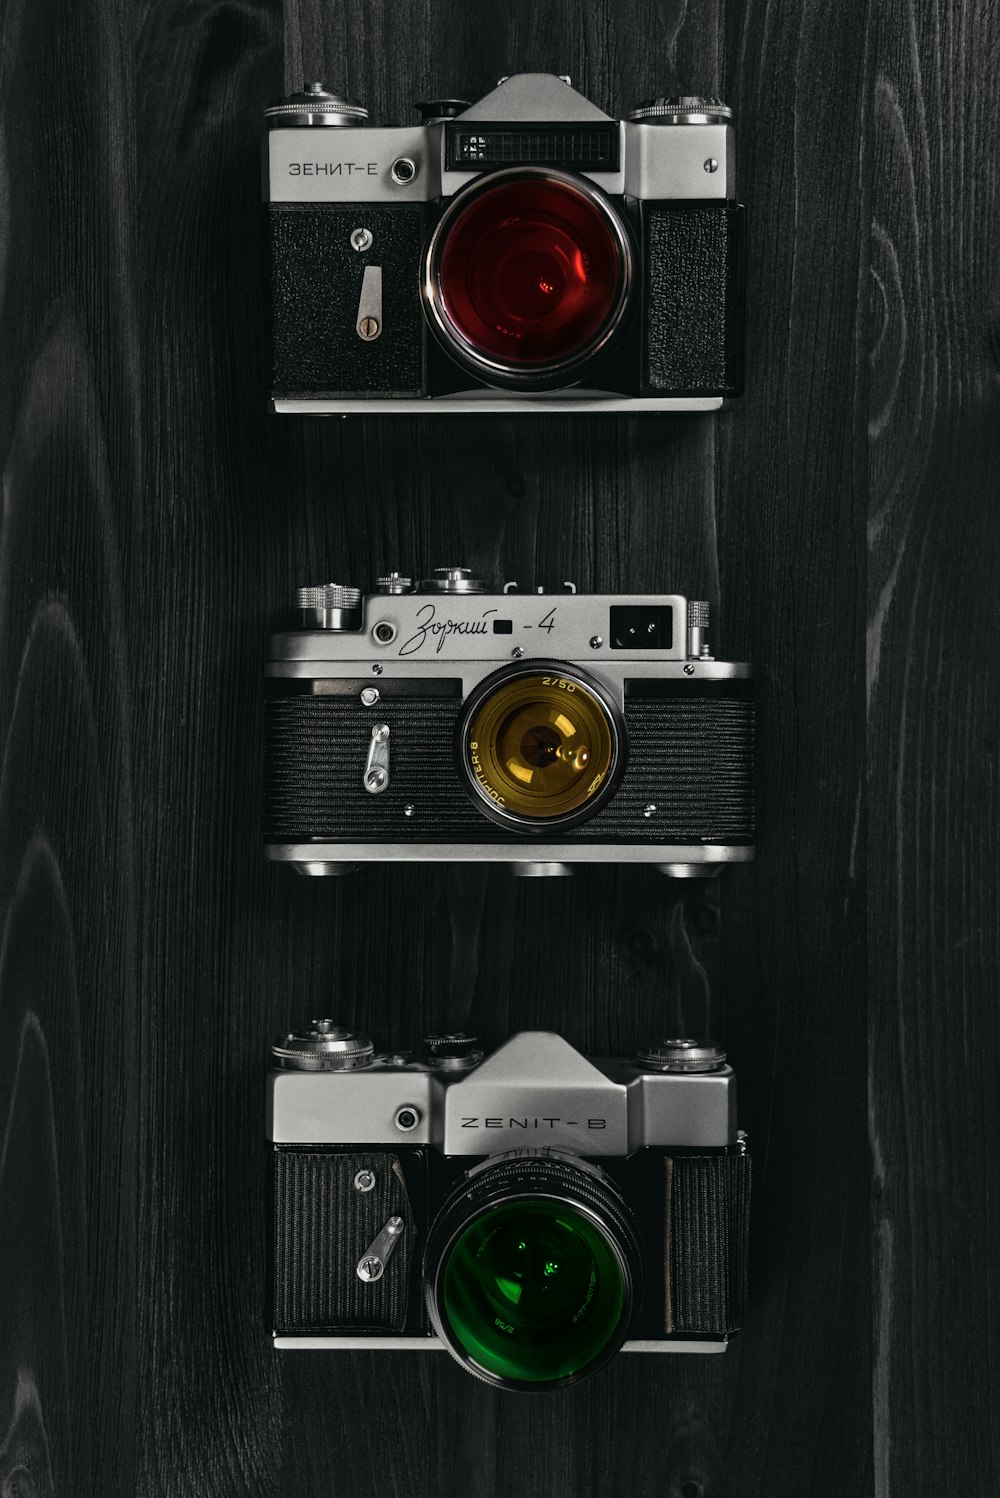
(545, 1176)
(540, 826)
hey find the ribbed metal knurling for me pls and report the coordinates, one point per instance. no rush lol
(675, 1054)
(323, 1046)
(316, 100)
(328, 596)
(452, 580)
(678, 106)
(697, 613)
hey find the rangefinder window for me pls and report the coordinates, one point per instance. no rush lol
(642, 628)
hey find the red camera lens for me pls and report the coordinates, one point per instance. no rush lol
(529, 274)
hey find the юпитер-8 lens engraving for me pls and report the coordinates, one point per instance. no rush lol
(527, 252)
(443, 722)
(534, 1212)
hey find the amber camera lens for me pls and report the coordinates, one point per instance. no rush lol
(542, 747)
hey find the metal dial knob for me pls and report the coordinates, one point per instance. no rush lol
(393, 582)
(454, 1052)
(330, 606)
(453, 580)
(676, 1055)
(681, 109)
(315, 105)
(433, 110)
(323, 1046)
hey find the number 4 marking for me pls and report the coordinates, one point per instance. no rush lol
(547, 623)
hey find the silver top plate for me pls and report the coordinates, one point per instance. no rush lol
(406, 629)
(535, 1091)
(355, 166)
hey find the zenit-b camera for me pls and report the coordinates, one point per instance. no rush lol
(441, 721)
(526, 252)
(533, 1212)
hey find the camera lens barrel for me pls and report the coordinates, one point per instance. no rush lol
(528, 276)
(540, 746)
(532, 1270)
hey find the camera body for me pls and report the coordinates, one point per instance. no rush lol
(443, 722)
(533, 1212)
(524, 253)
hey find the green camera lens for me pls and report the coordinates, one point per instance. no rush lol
(534, 1292)
(532, 1269)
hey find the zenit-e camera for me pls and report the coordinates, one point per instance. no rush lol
(442, 721)
(525, 252)
(533, 1212)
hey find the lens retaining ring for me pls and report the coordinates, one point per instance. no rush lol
(512, 821)
(541, 1176)
(550, 375)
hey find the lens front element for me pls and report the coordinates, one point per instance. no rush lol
(541, 747)
(533, 1292)
(532, 1270)
(527, 275)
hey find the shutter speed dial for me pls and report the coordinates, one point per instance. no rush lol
(681, 109)
(323, 1046)
(315, 105)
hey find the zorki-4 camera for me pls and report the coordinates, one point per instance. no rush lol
(533, 1212)
(442, 721)
(525, 252)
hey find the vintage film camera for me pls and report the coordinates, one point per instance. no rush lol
(527, 252)
(533, 1213)
(445, 722)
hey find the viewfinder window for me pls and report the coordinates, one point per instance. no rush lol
(649, 627)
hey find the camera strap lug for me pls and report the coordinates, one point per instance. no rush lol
(376, 776)
(371, 1265)
(369, 323)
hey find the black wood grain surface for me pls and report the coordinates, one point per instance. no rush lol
(154, 522)
(931, 420)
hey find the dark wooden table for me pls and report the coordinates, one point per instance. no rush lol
(155, 519)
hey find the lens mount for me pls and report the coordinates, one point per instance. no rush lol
(540, 746)
(527, 276)
(532, 1270)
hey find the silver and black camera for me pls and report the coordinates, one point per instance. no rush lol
(525, 252)
(533, 1212)
(441, 721)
